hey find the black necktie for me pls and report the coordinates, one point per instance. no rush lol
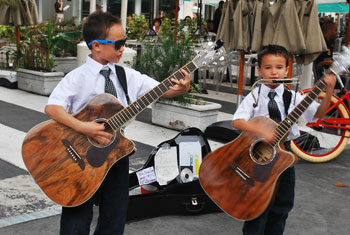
(274, 112)
(109, 86)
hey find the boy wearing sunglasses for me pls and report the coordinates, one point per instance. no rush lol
(105, 37)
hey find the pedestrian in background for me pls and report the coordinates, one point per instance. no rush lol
(59, 10)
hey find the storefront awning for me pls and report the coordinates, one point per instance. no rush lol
(333, 7)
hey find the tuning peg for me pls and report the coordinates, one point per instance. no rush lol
(219, 43)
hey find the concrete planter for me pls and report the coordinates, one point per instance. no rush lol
(178, 116)
(41, 83)
(65, 64)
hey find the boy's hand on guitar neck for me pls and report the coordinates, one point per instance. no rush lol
(330, 80)
(181, 86)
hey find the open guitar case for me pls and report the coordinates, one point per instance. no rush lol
(181, 195)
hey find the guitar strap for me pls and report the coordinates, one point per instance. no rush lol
(287, 99)
(122, 79)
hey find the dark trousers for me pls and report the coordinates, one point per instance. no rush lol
(273, 220)
(113, 205)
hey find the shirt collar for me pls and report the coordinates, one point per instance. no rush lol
(95, 67)
(265, 90)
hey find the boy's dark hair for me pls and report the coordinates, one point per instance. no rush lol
(97, 25)
(273, 50)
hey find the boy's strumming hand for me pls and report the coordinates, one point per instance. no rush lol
(96, 132)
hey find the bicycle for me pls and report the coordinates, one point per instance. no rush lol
(327, 137)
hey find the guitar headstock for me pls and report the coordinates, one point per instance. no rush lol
(211, 53)
(341, 62)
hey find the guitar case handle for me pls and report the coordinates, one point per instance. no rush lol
(194, 206)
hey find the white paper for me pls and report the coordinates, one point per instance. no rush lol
(191, 155)
(146, 176)
(65, 8)
(165, 164)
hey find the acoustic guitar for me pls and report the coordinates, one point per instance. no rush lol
(241, 176)
(69, 167)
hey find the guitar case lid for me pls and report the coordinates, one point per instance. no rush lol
(176, 197)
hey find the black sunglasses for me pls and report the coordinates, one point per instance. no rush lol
(117, 44)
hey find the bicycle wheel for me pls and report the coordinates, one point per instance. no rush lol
(321, 144)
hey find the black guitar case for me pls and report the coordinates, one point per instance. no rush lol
(176, 197)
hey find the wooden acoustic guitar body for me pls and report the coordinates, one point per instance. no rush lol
(241, 176)
(66, 165)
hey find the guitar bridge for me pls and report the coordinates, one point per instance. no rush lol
(244, 176)
(73, 154)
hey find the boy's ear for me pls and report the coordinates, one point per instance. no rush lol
(95, 45)
(287, 69)
(259, 70)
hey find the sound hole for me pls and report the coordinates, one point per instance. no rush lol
(262, 152)
(108, 129)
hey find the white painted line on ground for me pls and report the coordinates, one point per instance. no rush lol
(11, 145)
(29, 217)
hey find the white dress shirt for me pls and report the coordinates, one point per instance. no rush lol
(247, 111)
(83, 83)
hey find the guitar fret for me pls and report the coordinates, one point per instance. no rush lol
(283, 127)
(168, 83)
(310, 98)
(292, 117)
(137, 106)
(154, 95)
(112, 124)
(115, 120)
(124, 120)
(301, 104)
(298, 111)
(187, 69)
(148, 100)
(159, 92)
(165, 88)
(141, 103)
(128, 113)
(191, 66)
(178, 75)
(279, 134)
(131, 111)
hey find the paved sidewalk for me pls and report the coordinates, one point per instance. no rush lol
(320, 206)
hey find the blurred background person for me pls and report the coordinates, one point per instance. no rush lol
(156, 25)
(59, 10)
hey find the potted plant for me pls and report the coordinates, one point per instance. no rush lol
(161, 58)
(137, 28)
(35, 62)
(66, 37)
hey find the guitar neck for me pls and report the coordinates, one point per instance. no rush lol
(131, 111)
(283, 128)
